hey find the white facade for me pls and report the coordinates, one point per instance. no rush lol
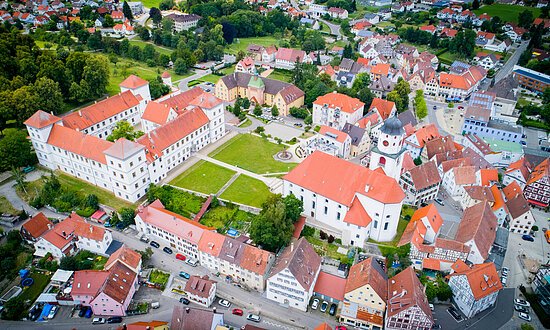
(284, 288)
(464, 298)
(522, 224)
(334, 116)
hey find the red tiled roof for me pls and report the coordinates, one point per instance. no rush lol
(199, 286)
(339, 180)
(323, 326)
(383, 107)
(100, 111)
(340, 136)
(126, 255)
(290, 55)
(142, 325)
(336, 100)
(37, 225)
(211, 242)
(512, 190)
(368, 272)
(156, 113)
(482, 278)
(255, 260)
(88, 282)
(41, 119)
(425, 175)
(180, 101)
(542, 170)
(522, 165)
(405, 291)
(133, 81)
(357, 215)
(479, 224)
(330, 286)
(119, 283)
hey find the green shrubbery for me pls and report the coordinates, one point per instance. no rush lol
(175, 200)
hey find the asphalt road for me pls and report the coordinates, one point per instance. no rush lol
(182, 84)
(509, 65)
(334, 28)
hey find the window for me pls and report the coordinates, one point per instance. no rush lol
(326, 210)
(375, 224)
(386, 225)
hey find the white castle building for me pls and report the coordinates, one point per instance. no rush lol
(75, 143)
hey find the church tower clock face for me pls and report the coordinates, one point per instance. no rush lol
(385, 143)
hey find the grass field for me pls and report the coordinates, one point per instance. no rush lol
(141, 44)
(247, 190)
(282, 75)
(507, 13)
(32, 292)
(447, 58)
(150, 3)
(42, 44)
(223, 218)
(125, 67)
(242, 43)
(203, 177)
(210, 78)
(105, 197)
(6, 207)
(251, 153)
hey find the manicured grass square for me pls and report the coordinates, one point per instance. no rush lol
(242, 43)
(247, 190)
(252, 153)
(203, 177)
(507, 13)
(282, 75)
(32, 292)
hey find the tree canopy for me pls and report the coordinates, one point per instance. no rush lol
(123, 129)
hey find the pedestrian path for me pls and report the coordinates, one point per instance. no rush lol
(228, 183)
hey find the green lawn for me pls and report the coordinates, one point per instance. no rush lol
(324, 248)
(125, 67)
(150, 3)
(42, 44)
(248, 191)
(6, 207)
(105, 197)
(211, 78)
(283, 75)
(251, 153)
(223, 218)
(242, 43)
(159, 277)
(32, 292)
(141, 44)
(400, 229)
(447, 57)
(507, 13)
(245, 123)
(203, 177)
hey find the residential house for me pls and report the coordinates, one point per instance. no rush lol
(360, 140)
(423, 228)
(335, 110)
(294, 274)
(201, 290)
(457, 84)
(381, 87)
(475, 288)
(151, 325)
(522, 219)
(183, 22)
(476, 194)
(487, 60)
(420, 183)
(35, 227)
(260, 90)
(193, 318)
(329, 140)
(336, 12)
(457, 174)
(286, 58)
(518, 171)
(246, 65)
(537, 189)
(477, 229)
(415, 142)
(358, 203)
(365, 296)
(329, 287)
(408, 306)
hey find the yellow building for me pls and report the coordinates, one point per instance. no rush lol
(365, 296)
(260, 90)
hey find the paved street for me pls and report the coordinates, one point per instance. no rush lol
(513, 60)
(334, 28)
(182, 84)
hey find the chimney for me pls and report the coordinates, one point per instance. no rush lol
(291, 246)
(63, 233)
(79, 113)
(214, 309)
(50, 226)
(91, 229)
(187, 310)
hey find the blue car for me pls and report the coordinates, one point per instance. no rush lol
(185, 275)
(89, 313)
(107, 224)
(528, 238)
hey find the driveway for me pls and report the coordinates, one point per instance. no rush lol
(282, 131)
(509, 65)
(334, 28)
(182, 84)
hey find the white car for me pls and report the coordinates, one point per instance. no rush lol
(522, 302)
(431, 306)
(525, 316)
(315, 303)
(253, 318)
(503, 280)
(504, 271)
(224, 303)
(98, 320)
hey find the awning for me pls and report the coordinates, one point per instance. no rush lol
(98, 214)
(537, 203)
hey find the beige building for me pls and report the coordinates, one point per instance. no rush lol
(260, 90)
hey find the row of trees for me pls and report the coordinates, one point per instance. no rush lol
(420, 105)
(400, 95)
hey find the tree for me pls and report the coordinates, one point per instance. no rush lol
(475, 4)
(274, 111)
(108, 21)
(123, 129)
(394, 97)
(257, 110)
(166, 4)
(15, 150)
(14, 309)
(293, 207)
(127, 216)
(237, 109)
(431, 291)
(301, 113)
(68, 263)
(525, 19)
(158, 88)
(127, 11)
(348, 51)
(271, 228)
(527, 326)
(180, 66)
(420, 105)
(444, 291)
(146, 255)
(535, 228)
(155, 15)
(48, 95)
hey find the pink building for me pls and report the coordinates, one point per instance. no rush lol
(108, 292)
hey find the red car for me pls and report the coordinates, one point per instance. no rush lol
(237, 311)
(181, 257)
(340, 327)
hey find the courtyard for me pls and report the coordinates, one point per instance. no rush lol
(203, 177)
(248, 191)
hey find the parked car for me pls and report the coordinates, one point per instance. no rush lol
(192, 262)
(431, 306)
(237, 311)
(315, 303)
(155, 305)
(53, 311)
(224, 303)
(185, 275)
(439, 201)
(525, 317)
(83, 311)
(154, 244)
(435, 107)
(324, 307)
(504, 271)
(522, 302)
(98, 320)
(180, 256)
(521, 309)
(528, 238)
(332, 309)
(340, 327)
(253, 318)
(167, 250)
(143, 238)
(454, 313)
(503, 280)
(298, 124)
(184, 301)
(89, 313)
(114, 319)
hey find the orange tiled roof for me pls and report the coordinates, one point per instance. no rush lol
(88, 282)
(381, 69)
(512, 190)
(384, 107)
(482, 278)
(180, 101)
(340, 180)
(37, 225)
(125, 255)
(211, 242)
(255, 259)
(488, 176)
(156, 113)
(522, 165)
(368, 272)
(542, 170)
(133, 81)
(405, 291)
(357, 215)
(87, 146)
(497, 196)
(340, 136)
(330, 285)
(41, 119)
(336, 100)
(323, 326)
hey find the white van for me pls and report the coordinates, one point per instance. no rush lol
(192, 262)
(155, 304)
